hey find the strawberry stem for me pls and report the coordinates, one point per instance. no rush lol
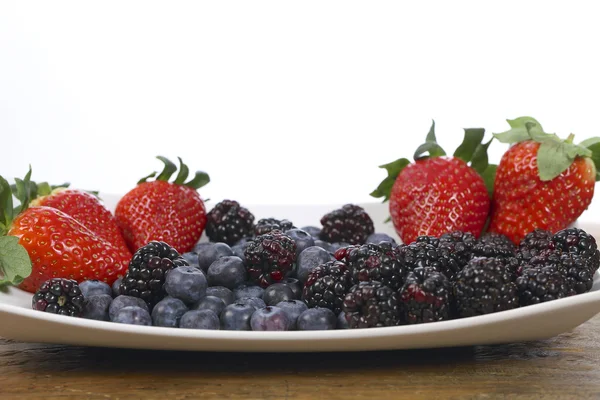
(200, 178)
(570, 138)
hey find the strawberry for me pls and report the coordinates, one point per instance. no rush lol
(439, 194)
(542, 181)
(171, 212)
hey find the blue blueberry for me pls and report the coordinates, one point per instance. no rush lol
(201, 246)
(248, 290)
(124, 301)
(168, 312)
(310, 259)
(316, 319)
(115, 287)
(240, 248)
(377, 238)
(325, 246)
(94, 287)
(277, 292)
(338, 245)
(191, 258)
(303, 239)
(221, 292)
(293, 309)
(295, 285)
(228, 271)
(200, 319)
(211, 252)
(212, 303)
(312, 231)
(270, 319)
(244, 241)
(96, 307)
(186, 283)
(236, 317)
(342, 323)
(252, 301)
(134, 316)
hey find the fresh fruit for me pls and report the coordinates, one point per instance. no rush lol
(342, 322)
(327, 286)
(371, 304)
(316, 319)
(228, 222)
(374, 262)
(312, 231)
(276, 293)
(186, 283)
(133, 315)
(302, 239)
(191, 258)
(325, 246)
(160, 210)
(310, 259)
(168, 312)
(425, 297)
(574, 268)
(96, 307)
(227, 271)
(293, 309)
(351, 224)
(255, 302)
(115, 287)
(295, 285)
(542, 181)
(248, 290)
(148, 270)
(266, 225)
(534, 243)
(122, 301)
(270, 318)
(221, 292)
(541, 284)
(579, 242)
(215, 304)
(236, 317)
(94, 287)
(270, 258)
(239, 249)
(200, 319)
(494, 245)
(376, 238)
(59, 296)
(211, 252)
(421, 254)
(438, 194)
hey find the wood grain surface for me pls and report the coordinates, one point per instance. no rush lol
(565, 367)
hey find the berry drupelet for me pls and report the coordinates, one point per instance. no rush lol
(270, 258)
(425, 296)
(228, 222)
(535, 242)
(484, 286)
(350, 224)
(266, 225)
(327, 286)
(577, 241)
(494, 245)
(147, 272)
(574, 268)
(421, 254)
(371, 304)
(541, 284)
(59, 296)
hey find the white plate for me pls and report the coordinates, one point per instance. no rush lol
(20, 322)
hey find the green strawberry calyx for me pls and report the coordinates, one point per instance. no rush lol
(199, 180)
(472, 151)
(555, 155)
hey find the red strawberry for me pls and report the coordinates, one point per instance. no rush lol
(542, 181)
(172, 212)
(439, 194)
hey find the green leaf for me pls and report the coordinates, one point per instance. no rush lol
(590, 142)
(431, 134)
(472, 139)
(595, 148)
(145, 179)
(552, 160)
(6, 203)
(489, 176)
(480, 161)
(44, 189)
(184, 171)
(518, 131)
(430, 146)
(393, 169)
(3, 229)
(200, 179)
(168, 171)
(15, 264)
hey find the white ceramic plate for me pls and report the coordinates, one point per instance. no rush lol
(20, 322)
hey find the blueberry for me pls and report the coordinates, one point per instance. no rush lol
(200, 246)
(212, 303)
(221, 292)
(211, 252)
(186, 283)
(317, 319)
(191, 258)
(293, 309)
(310, 259)
(295, 285)
(115, 287)
(270, 319)
(200, 319)
(228, 271)
(168, 312)
(134, 316)
(94, 287)
(312, 231)
(249, 290)
(244, 241)
(277, 292)
(240, 248)
(96, 307)
(342, 323)
(236, 317)
(252, 301)
(325, 246)
(338, 245)
(377, 238)
(125, 301)
(303, 239)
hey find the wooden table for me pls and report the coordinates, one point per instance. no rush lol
(567, 366)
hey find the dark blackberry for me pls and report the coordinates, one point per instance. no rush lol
(371, 304)
(534, 242)
(350, 224)
(270, 258)
(574, 268)
(432, 240)
(577, 241)
(421, 254)
(484, 286)
(327, 286)
(147, 272)
(494, 245)
(266, 225)
(541, 284)
(228, 222)
(374, 262)
(458, 247)
(425, 296)
(59, 296)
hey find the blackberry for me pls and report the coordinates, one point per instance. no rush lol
(371, 304)
(541, 284)
(421, 254)
(270, 258)
(59, 296)
(574, 268)
(431, 240)
(425, 296)
(494, 245)
(484, 286)
(327, 286)
(266, 225)
(228, 222)
(377, 262)
(534, 242)
(457, 248)
(577, 241)
(349, 224)
(147, 272)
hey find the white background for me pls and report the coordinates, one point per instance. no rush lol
(286, 102)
